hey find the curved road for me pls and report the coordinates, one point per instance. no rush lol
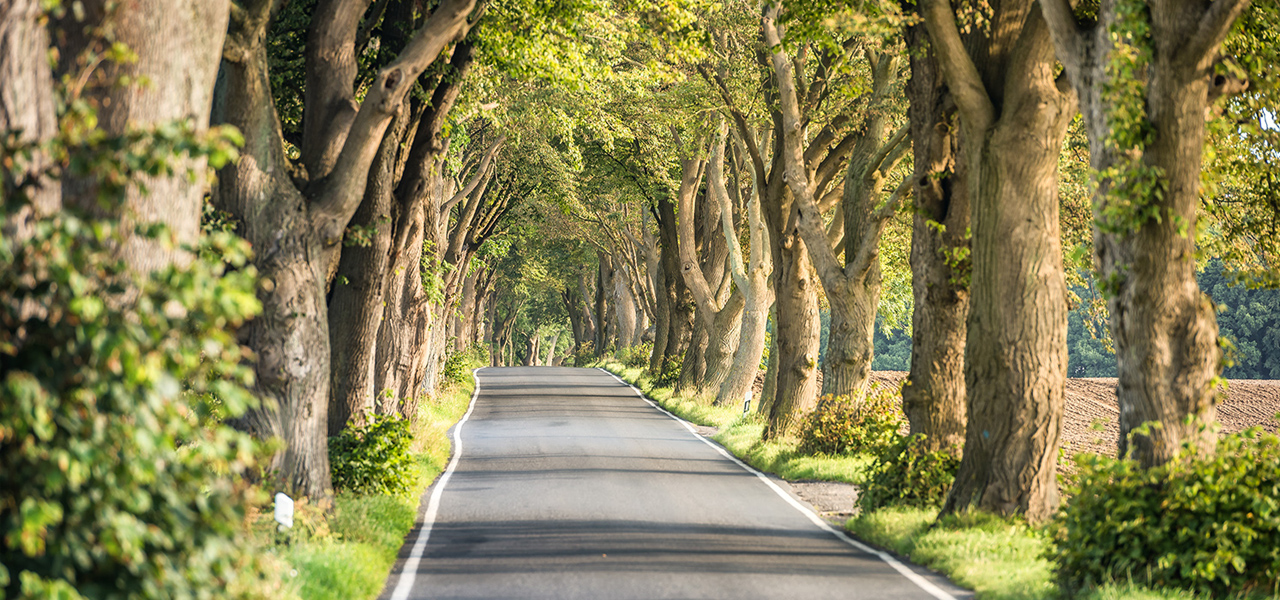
(567, 484)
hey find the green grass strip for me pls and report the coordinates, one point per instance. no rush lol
(353, 561)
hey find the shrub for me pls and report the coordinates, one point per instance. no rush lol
(907, 473)
(637, 355)
(116, 479)
(374, 458)
(839, 425)
(1210, 524)
(670, 373)
(585, 354)
(459, 363)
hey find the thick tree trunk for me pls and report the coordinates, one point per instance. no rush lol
(679, 318)
(769, 392)
(934, 396)
(694, 366)
(1016, 351)
(624, 309)
(356, 305)
(604, 287)
(751, 280)
(1015, 114)
(27, 109)
(403, 312)
(588, 321)
(551, 349)
(746, 359)
(464, 325)
(178, 46)
(798, 332)
(291, 337)
(852, 288)
(851, 343)
(1164, 328)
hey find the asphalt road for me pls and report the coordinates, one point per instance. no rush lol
(569, 485)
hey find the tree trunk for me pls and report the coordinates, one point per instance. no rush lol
(624, 308)
(291, 336)
(604, 280)
(798, 331)
(769, 392)
(356, 305)
(1015, 114)
(679, 330)
(851, 343)
(853, 289)
(694, 366)
(661, 322)
(1145, 207)
(551, 349)
(178, 45)
(27, 108)
(934, 396)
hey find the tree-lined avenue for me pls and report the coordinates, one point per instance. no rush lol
(569, 485)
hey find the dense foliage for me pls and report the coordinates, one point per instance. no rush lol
(907, 473)
(459, 363)
(1208, 523)
(841, 425)
(116, 478)
(1248, 321)
(374, 458)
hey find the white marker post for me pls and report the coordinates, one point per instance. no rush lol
(746, 403)
(284, 511)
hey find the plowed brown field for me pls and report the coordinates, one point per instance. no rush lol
(1092, 420)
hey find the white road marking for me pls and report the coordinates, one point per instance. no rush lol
(410, 570)
(897, 565)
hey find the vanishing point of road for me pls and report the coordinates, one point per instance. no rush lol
(567, 484)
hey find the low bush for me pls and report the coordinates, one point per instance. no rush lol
(670, 373)
(1206, 523)
(585, 354)
(374, 458)
(459, 363)
(838, 425)
(908, 473)
(636, 356)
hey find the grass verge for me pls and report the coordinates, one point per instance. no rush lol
(349, 553)
(741, 434)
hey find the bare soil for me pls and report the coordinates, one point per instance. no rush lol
(1092, 420)
(1091, 424)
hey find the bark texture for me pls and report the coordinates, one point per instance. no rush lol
(934, 396)
(296, 227)
(1164, 327)
(27, 109)
(752, 279)
(178, 46)
(1014, 113)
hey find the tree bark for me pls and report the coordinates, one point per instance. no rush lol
(719, 309)
(356, 305)
(178, 46)
(934, 396)
(1164, 327)
(27, 109)
(753, 281)
(679, 310)
(1015, 114)
(296, 236)
(624, 308)
(853, 289)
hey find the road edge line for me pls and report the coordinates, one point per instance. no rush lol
(409, 572)
(816, 519)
